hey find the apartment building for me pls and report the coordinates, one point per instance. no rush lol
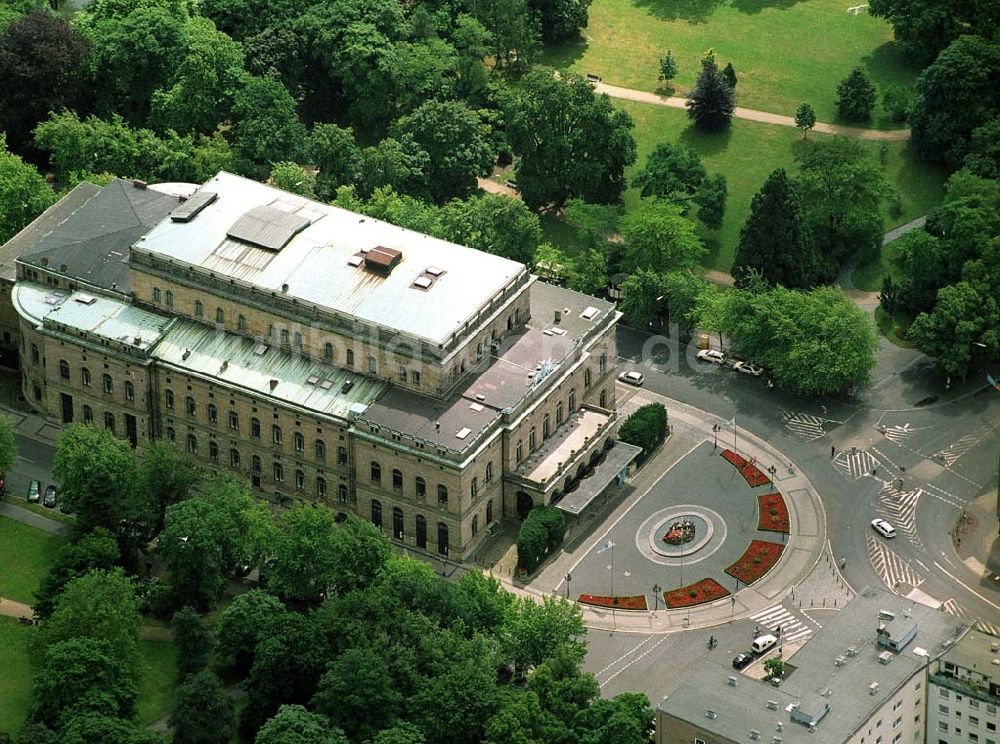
(963, 692)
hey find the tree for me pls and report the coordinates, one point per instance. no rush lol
(729, 72)
(519, 717)
(514, 32)
(590, 273)
(954, 96)
(541, 532)
(775, 241)
(193, 641)
(561, 19)
(290, 176)
(625, 719)
(536, 631)
(643, 297)
(805, 118)
(712, 102)
(962, 317)
(23, 195)
(243, 623)
(360, 552)
(658, 236)
(305, 558)
(401, 733)
(561, 687)
(90, 727)
(40, 63)
(711, 200)
(95, 473)
(357, 693)
(166, 476)
(553, 264)
(97, 549)
(896, 102)
(267, 126)
(454, 138)
(570, 141)
(455, 704)
(8, 445)
(400, 165)
(925, 27)
(646, 428)
(672, 170)
(856, 96)
(293, 724)
(203, 711)
(335, 153)
(925, 268)
(983, 158)
(81, 675)
(668, 68)
(774, 668)
(493, 223)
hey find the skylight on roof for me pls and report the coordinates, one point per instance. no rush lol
(267, 227)
(192, 206)
(477, 407)
(463, 432)
(422, 282)
(590, 313)
(355, 261)
(434, 271)
(260, 349)
(312, 380)
(85, 299)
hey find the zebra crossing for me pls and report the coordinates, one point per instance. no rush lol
(898, 434)
(890, 566)
(952, 452)
(952, 607)
(806, 426)
(854, 465)
(899, 508)
(793, 627)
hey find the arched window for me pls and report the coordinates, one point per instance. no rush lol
(397, 479)
(350, 357)
(300, 442)
(489, 473)
(572, 401)
(168, 399)
(213, 413)
(489, 511)
(586, 378)
(421, 487)
(199, 309)
(88, 415)
(285, 337)
(300, 480)
(531, 440)
(321, 487)
(604, 399)
(298, 340)
(474, 487)
(220, 315)
(376, 471)
(475, 525)
(255, 464)
(192, 444)
(518, 453)
(234, 421)
(234, 458)
(241, 322)
(64, 369)
(421, 531)
(442, 494)
(397, 523)
(36, 357)
(272, 332)
(545, 426)
(559, 413)
(171, 434)
(170, 298)
(109, 422)
(373, 365)
(129, 391)
(377, 513)
(213, 451)
(278, 472)
(328, 351)
(255, 428)
(342, 493)
(85, 377)
(189, 406)
(603, 363)
(341, 455)
(442, 538)
(107, 384)
(320, 449)
(276, 434)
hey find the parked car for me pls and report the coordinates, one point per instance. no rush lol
(712, 355)
(34, 492)
(883, 528)
(49, 499)
(632, 378)
(749, 368)
(763, 643)
(742, 660)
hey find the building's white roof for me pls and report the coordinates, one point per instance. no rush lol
(314, 263)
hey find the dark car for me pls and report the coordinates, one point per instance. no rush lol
(742, 660)
(49, 499)
(34, 492)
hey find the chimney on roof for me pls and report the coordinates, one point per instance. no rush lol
(139, 184)
(284, 287)
(186, 354)
(274, 384)
(558, 315)
(45, 262)
(225, 365)
(62, 268)
(437, 426)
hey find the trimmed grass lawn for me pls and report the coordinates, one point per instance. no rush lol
(745, 155)
(15, 681)
(25, 554)
(159, 680)
(784, 52)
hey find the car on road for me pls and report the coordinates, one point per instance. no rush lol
(49, 499)
(632, 378)
(34, 492)
(883, 528)
(712, 355)
(742, 660)
(748, 368)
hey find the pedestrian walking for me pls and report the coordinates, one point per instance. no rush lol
(823, 409)
(833, 450)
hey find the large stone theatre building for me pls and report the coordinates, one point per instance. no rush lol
(325, 356)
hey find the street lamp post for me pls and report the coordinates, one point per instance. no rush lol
(715, 437)
(569, 578)
(656, 596)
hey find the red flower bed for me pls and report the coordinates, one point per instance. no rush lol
(748, 469)
(706, 590)
(772, 513)
(617, 603)
(756, 561)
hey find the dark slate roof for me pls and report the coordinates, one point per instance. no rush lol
(93, 243)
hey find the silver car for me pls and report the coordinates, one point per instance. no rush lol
(632, 378)
(883, 528)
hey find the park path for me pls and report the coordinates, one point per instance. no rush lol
(26, 516)
(845, 279)
(764, 117)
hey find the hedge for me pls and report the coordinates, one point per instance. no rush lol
(542, 531)
(645, 428)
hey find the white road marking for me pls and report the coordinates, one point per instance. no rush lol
(892, 568)
(793, 626)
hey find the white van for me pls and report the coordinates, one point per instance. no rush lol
(762, 643)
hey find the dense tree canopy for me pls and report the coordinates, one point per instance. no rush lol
(856, 96)
(657, 235)
(97, 549)
(23, 194)
(712, 102)
(267, 128)
(203, 711)
(495, 224)
(925, 27)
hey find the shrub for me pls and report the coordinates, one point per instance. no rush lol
(543, 529)
(645, 428)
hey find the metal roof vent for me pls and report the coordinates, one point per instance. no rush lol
(423, 282)
(754, 734)
(873, 688)
(190, 208)
(312, 380)
(709, 713)
(772, 704)
(434, 271)
(885, 657)
(273, 384)
(85, 299)
(185, 354)
(356, 260)
(267, 227)
(260, 350)
(590, 313)
(346, 387)
(382, 260)
(852, 651)
(839, 661)
(812, 728)
(732, 681)
(224, 366)
(477, 407)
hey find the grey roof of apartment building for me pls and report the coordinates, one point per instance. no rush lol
(44, 224)
(253, 366)
(824, 672)
(244, 233)
(976, 651)
(575, 320)
(91, 243)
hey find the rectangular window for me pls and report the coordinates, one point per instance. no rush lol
(414, 377)
(942, 726)
(242, 323)
(402, 373)
(373, 365)
(973, 721)
(350, 357)
(156, 294)
(943, 710)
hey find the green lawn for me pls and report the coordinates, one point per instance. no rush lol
(745, 155)
(784, 52)
(159, 680)
(15, 681)
(25, 554)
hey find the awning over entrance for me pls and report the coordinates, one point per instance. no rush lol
(616, 460)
